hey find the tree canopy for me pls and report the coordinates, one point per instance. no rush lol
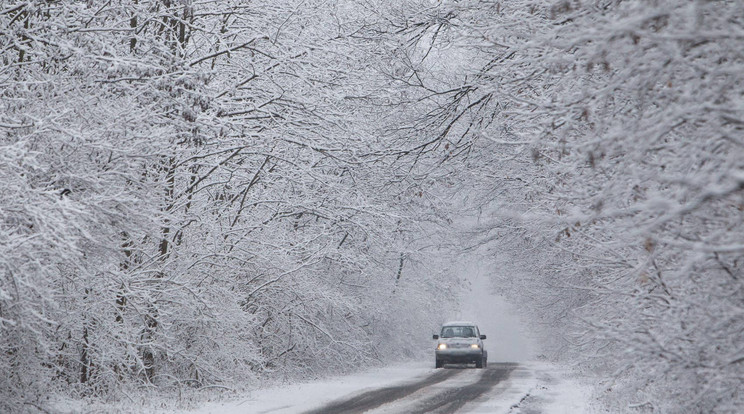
(201, 193)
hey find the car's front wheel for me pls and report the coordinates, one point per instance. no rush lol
(480, 363)
(439, 363)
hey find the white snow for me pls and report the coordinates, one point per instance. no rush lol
(532, 387)
(538, 387)
(300, 397)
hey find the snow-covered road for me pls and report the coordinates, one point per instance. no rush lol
(532, 387)
(445, 391)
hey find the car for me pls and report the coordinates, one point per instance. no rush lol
(460, 343)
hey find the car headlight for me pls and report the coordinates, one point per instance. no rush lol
(442, 346)
(475, 346)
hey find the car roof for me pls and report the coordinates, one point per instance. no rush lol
(459, 323)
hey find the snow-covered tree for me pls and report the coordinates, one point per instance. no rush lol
(606, 151)
(198, 192)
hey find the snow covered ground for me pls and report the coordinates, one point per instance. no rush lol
(533, 387)
(301, 397)
(539, 387)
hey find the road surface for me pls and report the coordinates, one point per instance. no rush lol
(527, 387)
(446, 391)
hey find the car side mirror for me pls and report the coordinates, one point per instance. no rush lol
(483, 336)
(436, 336)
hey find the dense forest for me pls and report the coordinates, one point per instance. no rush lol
(195, 194)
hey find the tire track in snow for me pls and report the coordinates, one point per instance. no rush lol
(427, 395)
(372, 399)
(450, 401)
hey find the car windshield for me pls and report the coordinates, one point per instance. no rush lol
(458, 332)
